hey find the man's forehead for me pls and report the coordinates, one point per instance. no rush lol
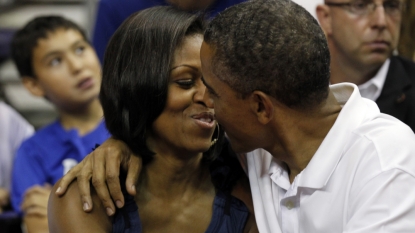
(205, 49)
(206, 58)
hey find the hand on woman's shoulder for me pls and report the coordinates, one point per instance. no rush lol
(65, 213)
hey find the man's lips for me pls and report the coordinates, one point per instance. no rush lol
(378, 44)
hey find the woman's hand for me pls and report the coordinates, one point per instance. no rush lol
(102, 166)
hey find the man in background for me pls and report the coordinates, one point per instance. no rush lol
(362, 37)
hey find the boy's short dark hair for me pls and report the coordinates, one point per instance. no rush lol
(26, 39)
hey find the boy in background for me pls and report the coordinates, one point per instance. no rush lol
(55, 61)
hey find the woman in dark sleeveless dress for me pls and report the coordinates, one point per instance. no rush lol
(153, 99)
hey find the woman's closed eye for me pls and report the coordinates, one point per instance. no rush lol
(185, 83)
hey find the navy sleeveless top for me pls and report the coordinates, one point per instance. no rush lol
(229, 213)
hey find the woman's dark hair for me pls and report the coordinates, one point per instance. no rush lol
(136, 71)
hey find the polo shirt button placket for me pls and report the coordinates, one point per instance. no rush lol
(289, 205)
(289, 215)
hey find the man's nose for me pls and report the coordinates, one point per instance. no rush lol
(378, 16)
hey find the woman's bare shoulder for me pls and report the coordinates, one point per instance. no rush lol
(65, 213)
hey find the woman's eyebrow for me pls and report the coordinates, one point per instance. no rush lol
(189, 66)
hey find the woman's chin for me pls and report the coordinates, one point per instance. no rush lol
(201, 147)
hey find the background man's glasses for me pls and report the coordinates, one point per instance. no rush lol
(392, 7)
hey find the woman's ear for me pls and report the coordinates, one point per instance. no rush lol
(324, 18)
(33, 86)
(262, 106)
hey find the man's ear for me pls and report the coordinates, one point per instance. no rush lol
(33, 86)
(324, 18)
(261, 105)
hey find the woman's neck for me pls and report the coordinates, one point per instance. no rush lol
(175, 194)
(169, 176)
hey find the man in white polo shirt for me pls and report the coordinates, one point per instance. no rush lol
(320, 159)
(331, 162)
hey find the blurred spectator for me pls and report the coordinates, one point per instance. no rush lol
(111, 13)
(55, 61)
(13, 130)
(362, 36)
(406, 45)
(5, 37)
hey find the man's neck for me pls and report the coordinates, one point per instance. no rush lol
(344, 69)
(342, 73)
(300, 134)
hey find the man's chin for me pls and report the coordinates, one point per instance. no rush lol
(376, 58)
(239, 148)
